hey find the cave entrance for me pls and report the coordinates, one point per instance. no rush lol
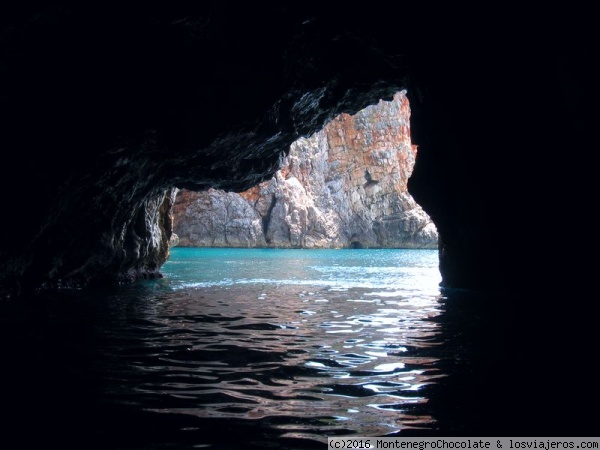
(343, 187)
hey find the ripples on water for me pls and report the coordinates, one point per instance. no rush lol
(239, 349)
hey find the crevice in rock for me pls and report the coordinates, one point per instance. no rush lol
(266, 219)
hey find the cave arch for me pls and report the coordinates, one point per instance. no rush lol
(103, 111)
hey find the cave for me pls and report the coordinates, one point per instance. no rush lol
(105, 110)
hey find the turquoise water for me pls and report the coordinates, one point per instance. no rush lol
(249, 348)
(403, 271)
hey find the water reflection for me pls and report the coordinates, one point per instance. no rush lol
(150, 367)
(338, 362)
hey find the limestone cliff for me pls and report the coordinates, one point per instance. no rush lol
(345, 186)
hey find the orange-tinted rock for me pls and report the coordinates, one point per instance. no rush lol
(345, 186)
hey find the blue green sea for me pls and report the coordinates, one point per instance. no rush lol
(246, 348)
(384, 270)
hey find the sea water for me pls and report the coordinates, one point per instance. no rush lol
(247, 348)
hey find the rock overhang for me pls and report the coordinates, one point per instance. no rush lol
(104, 110)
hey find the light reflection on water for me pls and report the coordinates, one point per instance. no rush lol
(271, 351)
(404, 271)
(329, 342)
(351, 364)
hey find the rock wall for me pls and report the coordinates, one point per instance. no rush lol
(345, 186)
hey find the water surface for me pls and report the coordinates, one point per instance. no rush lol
(252, 348)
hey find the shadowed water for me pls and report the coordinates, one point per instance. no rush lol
(249, 349)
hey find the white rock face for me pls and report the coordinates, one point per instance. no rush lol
(218, 219)
(345, 186)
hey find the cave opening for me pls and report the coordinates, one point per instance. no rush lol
(345, 186)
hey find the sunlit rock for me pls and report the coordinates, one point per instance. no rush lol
(345, 186)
